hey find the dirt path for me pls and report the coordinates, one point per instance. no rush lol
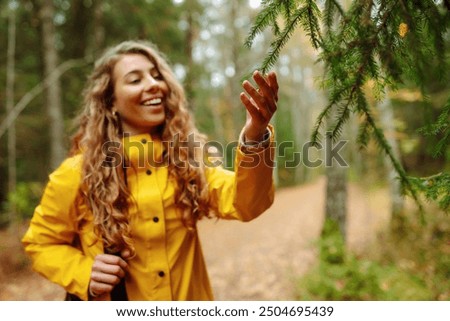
(258, 260)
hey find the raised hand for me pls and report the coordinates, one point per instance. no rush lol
(261, 104)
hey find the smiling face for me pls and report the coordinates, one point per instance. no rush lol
(140, 94)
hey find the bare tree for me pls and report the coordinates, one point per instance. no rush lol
(387, 121)
(10, 75)
(190, 38)
(234, 82)
(23, 102)
(336, 192)
(53, 92)
(99, 29)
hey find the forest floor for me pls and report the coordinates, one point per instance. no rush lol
(259, 260)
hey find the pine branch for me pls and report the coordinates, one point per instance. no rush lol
(288, 7)
(334, 97)
(343, 115)
(363, 135)
(307, 15)
(387, 149)
(276, 29)
(316, 137)
(277, 44)
(331, 8)
(441, 126)
(369, 37)
(435, 188)
(266, 17)
(311, 24)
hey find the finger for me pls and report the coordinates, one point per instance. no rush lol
(125, 254)
(111, 269)
(108, 258)
(268, 83)
(251, 108)
(260, 103)
(112, 260)
(265, 88)
(273, 83)
(105, 278)
(99, 288)
(266, 92)
(255, 112)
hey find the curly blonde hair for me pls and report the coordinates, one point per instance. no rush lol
(104, 188)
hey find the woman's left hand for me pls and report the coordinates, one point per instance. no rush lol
(261, 104)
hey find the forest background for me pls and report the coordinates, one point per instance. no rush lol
(48, 51)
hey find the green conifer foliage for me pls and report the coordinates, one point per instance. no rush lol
(384, 42)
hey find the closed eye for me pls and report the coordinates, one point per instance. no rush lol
(157, 76)
(154, 72)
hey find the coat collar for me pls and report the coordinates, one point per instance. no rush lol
(143, 150)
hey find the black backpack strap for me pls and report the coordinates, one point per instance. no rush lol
(71, 297)
(119, 292)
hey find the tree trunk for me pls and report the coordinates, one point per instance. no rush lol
(95, 37)
(79, 17)
(300, 107)
(234, 82)
(53, 93)
(336, 190)
(10, 75)
(336, 196)
(387, 121)
(190, 36)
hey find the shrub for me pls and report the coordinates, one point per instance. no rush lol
(25, 198)
(339, 275)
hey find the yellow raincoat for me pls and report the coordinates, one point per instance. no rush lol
(169, 263)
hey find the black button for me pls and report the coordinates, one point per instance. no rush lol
(143, 141)
(161, 273)
(149, 172)
(156, 219)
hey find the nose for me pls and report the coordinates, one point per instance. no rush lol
(151, 84)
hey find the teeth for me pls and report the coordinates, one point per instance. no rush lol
(154, 101)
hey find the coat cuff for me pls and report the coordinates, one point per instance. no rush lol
(255, 147)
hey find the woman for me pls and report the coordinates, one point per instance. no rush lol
(123, 208)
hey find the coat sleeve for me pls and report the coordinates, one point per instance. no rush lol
(53, 229)
(248, 191)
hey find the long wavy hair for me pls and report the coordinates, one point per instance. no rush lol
(104, 189)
